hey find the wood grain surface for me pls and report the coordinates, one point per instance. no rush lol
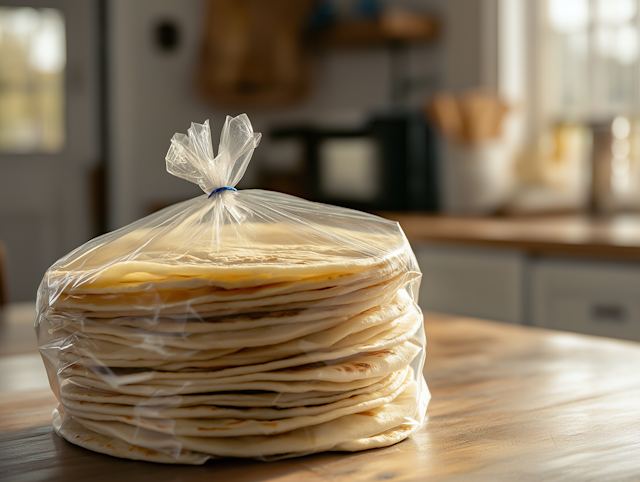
(616, 237)
(509, 403)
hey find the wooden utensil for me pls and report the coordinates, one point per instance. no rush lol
(472, 117)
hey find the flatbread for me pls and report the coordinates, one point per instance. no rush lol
(317, 438)
(214, 299)
(235, 427)
(270, 335)
(337, 337)
(161, 390)
(254, 306)
(377, 364)
(327, 341)
(372, 339)
(186, 324)
(227, 410)
(79, 435)
(137, 354)
(259, 291)
(384, 439)
(411, 425)
(250, 399)
(271, 252)
(106, 352)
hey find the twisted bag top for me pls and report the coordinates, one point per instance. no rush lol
(232, 238)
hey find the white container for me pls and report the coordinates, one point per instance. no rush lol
(474, 179)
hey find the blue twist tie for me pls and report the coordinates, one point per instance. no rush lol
(223, 188)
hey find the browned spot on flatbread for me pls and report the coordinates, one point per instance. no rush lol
(148, 452)
(367, 413)
(269, 424)
(354, 367)
(380, 352)
(363, 367)
(203, 429)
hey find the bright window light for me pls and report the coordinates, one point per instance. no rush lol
(32, 64)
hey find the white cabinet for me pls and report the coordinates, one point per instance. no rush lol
(579, 295)
(596, 298)
(471, 281)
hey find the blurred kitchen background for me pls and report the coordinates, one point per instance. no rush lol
(503, 134)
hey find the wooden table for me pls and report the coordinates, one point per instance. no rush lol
(509, 403)
(617, 237)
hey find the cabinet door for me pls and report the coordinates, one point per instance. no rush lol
(595, 298)
(469, 281)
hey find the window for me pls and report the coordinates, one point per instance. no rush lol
(32, 62)
(575, 65)
(590, 59)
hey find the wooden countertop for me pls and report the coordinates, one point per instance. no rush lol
(614, 238)
(509, 403)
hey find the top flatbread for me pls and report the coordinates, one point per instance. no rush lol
(214, 299)
(243, 255)
(195, 283)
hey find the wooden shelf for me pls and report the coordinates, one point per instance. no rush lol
(388, 29)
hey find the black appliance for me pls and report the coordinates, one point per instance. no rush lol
(388, 164)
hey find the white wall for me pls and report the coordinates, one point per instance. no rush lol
(153, 94)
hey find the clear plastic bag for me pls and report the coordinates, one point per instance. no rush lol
(239, 323)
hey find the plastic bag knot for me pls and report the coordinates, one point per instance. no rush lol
(191, 156)
(223, 188)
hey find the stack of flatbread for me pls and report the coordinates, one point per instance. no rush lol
(263, 355)
(238, 323)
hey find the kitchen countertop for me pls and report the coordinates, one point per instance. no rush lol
(617, 237)
(509, 403)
